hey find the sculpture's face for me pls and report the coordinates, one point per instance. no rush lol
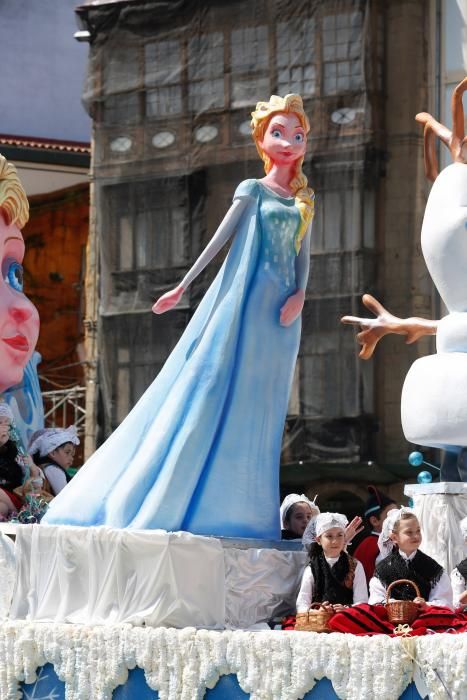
(284, 139)
(19, 319)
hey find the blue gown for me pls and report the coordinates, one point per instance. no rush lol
(200, 451)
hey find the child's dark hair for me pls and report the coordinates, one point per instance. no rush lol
(314, 549)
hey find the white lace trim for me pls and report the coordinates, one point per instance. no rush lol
(181, 664)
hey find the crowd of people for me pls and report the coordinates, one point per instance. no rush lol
(354, 587)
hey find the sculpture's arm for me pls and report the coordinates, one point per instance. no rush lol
(222, 235)
(373, 329)
(294, 304)
(455, 140)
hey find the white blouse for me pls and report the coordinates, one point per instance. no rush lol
(305, 595)
(458, 587)
(56, 478)
(440, 594)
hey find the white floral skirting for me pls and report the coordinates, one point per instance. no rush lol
(181, 664)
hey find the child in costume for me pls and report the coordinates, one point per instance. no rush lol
(296, 512)
(399, 542)
(332, 577)
(459, 576)
(53, 449)
(377, 507)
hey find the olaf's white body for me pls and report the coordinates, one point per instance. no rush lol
(434, 395)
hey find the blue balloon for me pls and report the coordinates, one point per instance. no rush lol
(415, 459)
(424, 478)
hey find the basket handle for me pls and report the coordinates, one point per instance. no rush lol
(396, 583)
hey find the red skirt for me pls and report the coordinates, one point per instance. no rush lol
(366, 619)
(16, 500)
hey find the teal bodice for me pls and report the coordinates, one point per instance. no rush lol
(280, 220)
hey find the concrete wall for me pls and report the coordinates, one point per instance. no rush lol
(43, 70)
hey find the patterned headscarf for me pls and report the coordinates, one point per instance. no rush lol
(385, 543)
(47, 440)
(321, 523)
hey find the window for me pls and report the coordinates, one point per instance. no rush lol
(163, 78)
(133, 352)
(150, 224)
(206, 72)
(337, 225)
(342, 52)
(249, 65)
(333, 381)
(122, 109)
(295, 56)
(121, 68)
(154, 240)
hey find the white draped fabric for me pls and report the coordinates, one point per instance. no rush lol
(440, 507)
(100, 575)
(104, 576)
(261, 584)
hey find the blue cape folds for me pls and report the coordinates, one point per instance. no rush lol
(200, 450)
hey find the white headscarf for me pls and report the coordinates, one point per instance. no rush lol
(291, 500)
(5, 411)
(463, 526)
(321, 523)
(385, 543)
(47, 440)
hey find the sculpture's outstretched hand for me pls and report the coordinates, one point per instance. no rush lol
(168, 300)
(292, 308)
(373, 329)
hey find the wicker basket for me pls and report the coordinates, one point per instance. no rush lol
(314, 620)
(402, 612)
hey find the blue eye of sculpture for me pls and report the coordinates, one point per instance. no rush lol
(14, 276)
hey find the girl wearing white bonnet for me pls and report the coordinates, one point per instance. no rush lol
(296, 512)
(399, 544)
(53, 449)
(332, 577)
(459, 574)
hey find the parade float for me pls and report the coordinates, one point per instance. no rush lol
(164, 582)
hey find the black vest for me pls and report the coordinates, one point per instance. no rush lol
(11, 474)
(334, 584)
(422, 570)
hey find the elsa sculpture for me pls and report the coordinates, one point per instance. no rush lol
(200, 450)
